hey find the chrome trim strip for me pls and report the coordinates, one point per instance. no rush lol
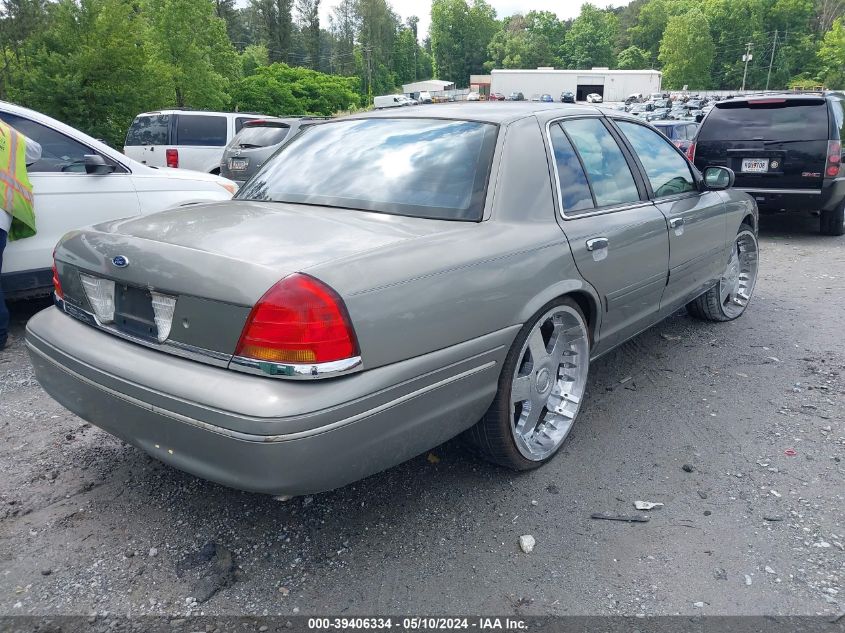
(250, 437)
(176, 348)
(812, 192)
(296, 372)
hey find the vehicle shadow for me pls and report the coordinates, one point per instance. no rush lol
(791, 225)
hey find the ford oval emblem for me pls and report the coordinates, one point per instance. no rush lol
(120, 261)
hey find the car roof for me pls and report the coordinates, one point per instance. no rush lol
(201, 113)
(485, 112)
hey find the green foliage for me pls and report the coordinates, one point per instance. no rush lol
(189, 41)
(253, 57)
(686, 51)
(590, 41)
(524, 43)
(832, 56)
(633, 58)
(279, 89)
(651, 22)
(460, 33)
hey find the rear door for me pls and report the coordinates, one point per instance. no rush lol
(618, 238)
(200, 140)
(697, 220)
(770, 142)
(146, 139)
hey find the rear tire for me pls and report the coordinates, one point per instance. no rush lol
(728, 299)
(833, 222)
(540, 389)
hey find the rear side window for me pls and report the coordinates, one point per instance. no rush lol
(838, 107)
(260, 136)
(667, 171)
(192, 129)
(149, 130)
(607, 170)
(574, 191)
(767, 120)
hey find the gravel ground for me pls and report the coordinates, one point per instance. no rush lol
(737, 428)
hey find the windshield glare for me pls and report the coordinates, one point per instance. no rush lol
(418, 167)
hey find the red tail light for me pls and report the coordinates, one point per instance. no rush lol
(300, 320)
(172, 157)
(834, 159)
(691, 152)
(57, 283)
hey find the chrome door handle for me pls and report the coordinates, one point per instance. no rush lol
(674, 223)
(597, 243)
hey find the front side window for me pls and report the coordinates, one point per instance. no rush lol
(607, 170)
(667, 171)
(574, 190)
(199, 130)
(417, 167)
(58, 152)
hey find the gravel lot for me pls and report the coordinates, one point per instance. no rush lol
(88, 524)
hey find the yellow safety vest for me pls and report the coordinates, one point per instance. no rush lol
(15, 188)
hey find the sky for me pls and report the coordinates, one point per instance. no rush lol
(421, 8)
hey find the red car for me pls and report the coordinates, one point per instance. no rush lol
(496, 96)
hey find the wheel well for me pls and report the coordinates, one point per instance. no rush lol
(215, 171)
(588, 307)
(749, 220)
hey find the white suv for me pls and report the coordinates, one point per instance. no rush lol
(183, 138)
(80, 181)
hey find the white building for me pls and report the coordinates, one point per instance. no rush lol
(613, 85)
(429, 85)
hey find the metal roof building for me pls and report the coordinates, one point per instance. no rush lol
(613, 85)
(429, 85)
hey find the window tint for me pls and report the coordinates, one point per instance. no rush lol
(668, 172)
(260, 136)
(767, 120)
(418, 167)
(608, 173)
(838, 106)
(149, 130)
(671, 131)
(57, 150)
(574, 190)
(239, 122)
(194, 129)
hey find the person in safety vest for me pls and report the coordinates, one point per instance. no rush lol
(17, 214)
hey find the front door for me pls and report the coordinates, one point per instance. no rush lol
(65, 196)
(697, 220)
(618, 239)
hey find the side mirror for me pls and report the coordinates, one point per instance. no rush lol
(96, 164)
(718, 178)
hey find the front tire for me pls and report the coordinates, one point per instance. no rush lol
(728, 299)
(833, 222)
(541, 387)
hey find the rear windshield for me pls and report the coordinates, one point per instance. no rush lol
(260, 136)
(767, 120)
(149, 130)
(209, 131)
(417, 167)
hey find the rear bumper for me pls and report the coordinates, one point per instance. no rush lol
(355, 426)
(829, 197)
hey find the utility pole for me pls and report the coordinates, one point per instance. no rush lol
(746, 58)
(772, 60)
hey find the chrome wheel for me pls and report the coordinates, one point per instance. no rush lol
(549, 381)
(737, 282)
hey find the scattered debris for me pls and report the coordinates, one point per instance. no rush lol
(670, 337)
(747, 580)
(212, 569)
(284, 591)
(432, 458)
(552, 489)
(526, 543)
(647, 505)
(687, 468)
(153, 552)
(282, 498)
(702, 494)
(775, 493)
(721, 574)
(630, 518)
(698, 605)
(774, 359)
(625, 379)
(769, 570)
(822, 544)
(46, 572)
(790, 452)
(767, 517)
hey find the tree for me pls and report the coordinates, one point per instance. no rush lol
(191, 44)
(276, 27)
(832, 55)
(309, 25)
(460, 34)
(520, 44)
(651, 22)
(633, 58)
(254, 57)
(279, 89)
(686, 51)
(342, 25)
(590, 40)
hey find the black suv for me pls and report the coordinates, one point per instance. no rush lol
(786, 151)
